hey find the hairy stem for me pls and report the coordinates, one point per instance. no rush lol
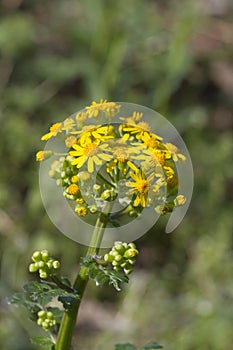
(69, 318)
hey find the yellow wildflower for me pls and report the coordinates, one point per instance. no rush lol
(74, 179)
(73, 189)
(99, 132)
(81, 117)
(53, 131)
(179, 200)
(42, 155)
(80, 200)
(173, 151)
(109, 108)
(90, 152)
(68, 124)
(81, 211)
(133, 119)
(140, 187)
(138, 130)
(70, 141)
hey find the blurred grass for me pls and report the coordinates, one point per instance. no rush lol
(174, 57)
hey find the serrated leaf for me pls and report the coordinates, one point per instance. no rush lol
(151, 346)
(126, 346)
(43, 341)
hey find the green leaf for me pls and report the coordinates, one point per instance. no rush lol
(43, 341)
(152, 345)
(102, 274)
(126, 346)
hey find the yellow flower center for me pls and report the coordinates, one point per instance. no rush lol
(142, 186)
(121, 155)
(160, 157)
(152, 143)
(91, 150)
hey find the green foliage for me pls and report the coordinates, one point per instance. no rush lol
(38, 294)
(101, 274)
(45, 342)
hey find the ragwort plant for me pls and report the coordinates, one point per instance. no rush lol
(110, 173)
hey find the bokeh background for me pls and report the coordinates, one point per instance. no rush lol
(171, 56)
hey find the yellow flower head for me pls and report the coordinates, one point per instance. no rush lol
(173, 151)
(90, 152)
(109, 108)
(70, 140)
(73, 189)
(53, 131)
(140, 187)
(81, 117)
(42, 155)
(81, 211)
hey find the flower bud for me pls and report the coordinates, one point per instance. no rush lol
(32, 268)
(179, 200)
(36, 256)
(56, 264)
(45, 255)
(41, 313)
(93, 209)
(43, 274)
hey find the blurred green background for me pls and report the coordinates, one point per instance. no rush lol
(171, 56)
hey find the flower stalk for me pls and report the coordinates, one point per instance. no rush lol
(69, 318)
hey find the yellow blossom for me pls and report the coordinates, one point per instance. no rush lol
(109, 108)
(73, 189)
(74, 179)
(140, 187)
(42, 155)
(53, 131)
(90, 152)
(68, 124)
(138, 130)
(81, 117)
(173, 151)
(133, 119)
(81, 211)
(80, 200)
(70, 140)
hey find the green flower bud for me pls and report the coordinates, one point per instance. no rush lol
(108, 258)
(93, 209)
(49, 315)
(45, 255)
(118, 258)
(56, 264)
(131, 253)
(43, 274)
(39, 322)
(32, 268)
(41, 313)
(41, 264)
(36, 256)
(45, 325)
(106, 195)
(50, 264)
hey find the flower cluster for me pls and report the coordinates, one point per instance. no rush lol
(123, 162)
(43, 263)
(122, 256)
(45, 319)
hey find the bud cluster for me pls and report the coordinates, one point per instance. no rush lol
(43, 263)
(45, 319)
(122, 256)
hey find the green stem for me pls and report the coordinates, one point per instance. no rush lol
(69, 318)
